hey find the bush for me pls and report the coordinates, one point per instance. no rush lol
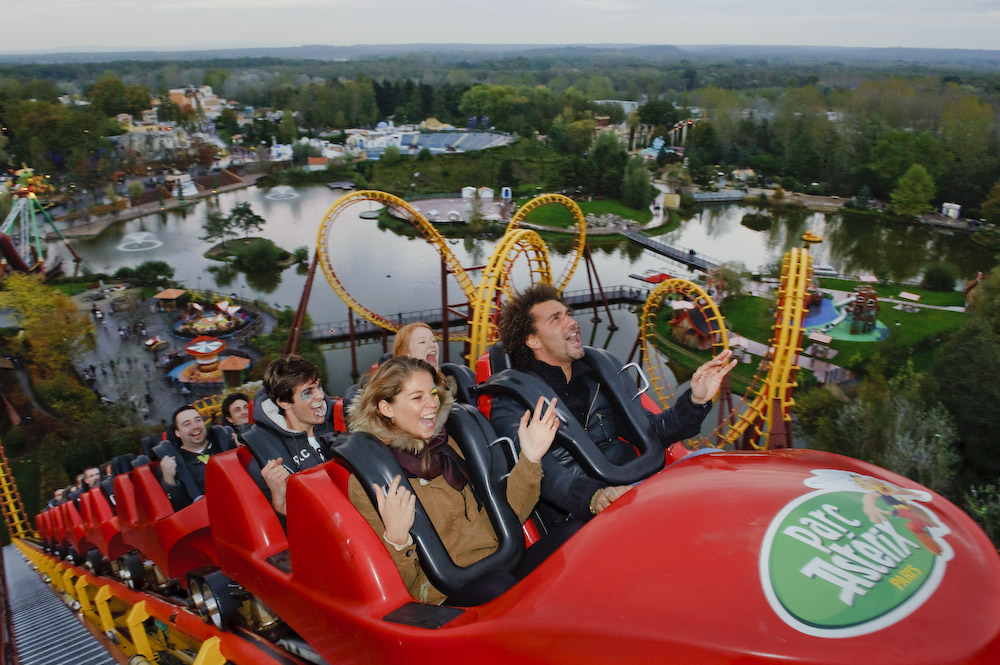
(259, 257)
(940, 276)
(424, 155)
(391, 156)
(983, 503)
(790, 184)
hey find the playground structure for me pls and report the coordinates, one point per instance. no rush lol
(864, 310)
(22, 241)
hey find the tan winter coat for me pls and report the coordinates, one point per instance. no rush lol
(464, 529)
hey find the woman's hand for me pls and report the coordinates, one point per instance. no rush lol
(397, 508)
(537, 431)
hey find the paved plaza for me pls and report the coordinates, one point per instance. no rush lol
(124, 370)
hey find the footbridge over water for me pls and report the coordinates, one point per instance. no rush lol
(683, 255)
(340, 331)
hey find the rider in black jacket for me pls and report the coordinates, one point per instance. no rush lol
(293, 425)
(543, 339)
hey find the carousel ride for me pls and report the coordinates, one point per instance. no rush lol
(763, 555)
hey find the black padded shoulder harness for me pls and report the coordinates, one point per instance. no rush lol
(373, 463)
(526, 388)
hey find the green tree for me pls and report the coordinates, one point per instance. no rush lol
(940, 276)
(228, 122)
(288, 131)
(136, 99)
(218, 227)
(107, 95)
(990, 210)
(659, 112)
(972, 358)
(891, 425)
(391, 156)
(259, 257)
(983, 503)
(637, 191)
(914, 191)
(244, 219)
(608, 159)
(301, 152)
(153, 272)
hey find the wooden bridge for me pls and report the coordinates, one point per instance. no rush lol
(683, 255)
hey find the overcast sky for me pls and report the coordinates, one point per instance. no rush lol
(112, 25)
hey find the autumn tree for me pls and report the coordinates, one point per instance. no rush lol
(55, 332)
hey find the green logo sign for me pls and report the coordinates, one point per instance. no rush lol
(852, 557)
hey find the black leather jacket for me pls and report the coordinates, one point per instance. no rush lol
(565, 486)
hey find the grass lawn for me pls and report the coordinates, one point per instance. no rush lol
(232, 248)
(70, 289)
(558, 216)
(927, 297)
(752, 317)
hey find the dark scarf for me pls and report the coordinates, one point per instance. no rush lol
(443, 460)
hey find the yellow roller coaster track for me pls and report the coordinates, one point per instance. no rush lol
(765, 408)
(514, 243)
(578, 219)
(647, 327)
(11, 505)
(402, 209)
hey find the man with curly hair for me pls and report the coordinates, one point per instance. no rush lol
(541, 338)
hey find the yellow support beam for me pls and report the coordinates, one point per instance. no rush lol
(101, 599)
(134, 622)
(210, 653)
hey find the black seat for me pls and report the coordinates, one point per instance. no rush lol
(465, 382)
(220, 436)
(373, 463)
(526, 388)
(499, 360)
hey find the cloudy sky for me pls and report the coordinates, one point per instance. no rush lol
(110, 25)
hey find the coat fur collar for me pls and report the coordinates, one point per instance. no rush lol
(390, 435)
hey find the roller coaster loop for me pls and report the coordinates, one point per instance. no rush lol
(402, 209)
(514, 243)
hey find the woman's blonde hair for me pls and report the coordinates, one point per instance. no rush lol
(385, 383)
(401, 345)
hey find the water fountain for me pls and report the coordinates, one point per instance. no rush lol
(139, 241)
(282, 192)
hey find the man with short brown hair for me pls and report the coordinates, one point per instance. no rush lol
(541, 337)
(293, 423)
